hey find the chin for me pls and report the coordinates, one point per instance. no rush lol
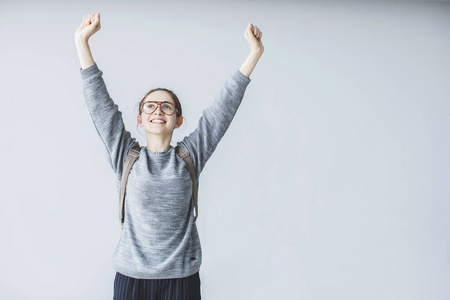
(160, 132)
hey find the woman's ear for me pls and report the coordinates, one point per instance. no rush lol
(179, 121)
(139, 120)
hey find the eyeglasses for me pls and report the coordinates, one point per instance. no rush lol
(167, 107)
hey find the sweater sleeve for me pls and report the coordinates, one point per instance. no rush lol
(215, 121)
(107, 118)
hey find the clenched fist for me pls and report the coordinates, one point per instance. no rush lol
(89, 25)
(253, 36)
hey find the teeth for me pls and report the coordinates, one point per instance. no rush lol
(158, 121)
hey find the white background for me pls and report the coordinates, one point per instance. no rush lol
(331, 183)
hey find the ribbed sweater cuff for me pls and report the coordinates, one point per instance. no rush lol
(89, 71)
(241, 78)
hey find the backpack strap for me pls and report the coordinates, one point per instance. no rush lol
(132, 156)
(184, 154)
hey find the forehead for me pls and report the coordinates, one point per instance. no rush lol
(159, 96)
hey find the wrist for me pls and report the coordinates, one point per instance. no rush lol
(256, 52)
(82, 41)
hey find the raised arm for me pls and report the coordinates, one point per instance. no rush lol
(253, 36)
(104, 112)
(216, 119)
(89, 25)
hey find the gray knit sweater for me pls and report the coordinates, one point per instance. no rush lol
(159, 238)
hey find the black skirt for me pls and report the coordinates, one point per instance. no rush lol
(128, 288)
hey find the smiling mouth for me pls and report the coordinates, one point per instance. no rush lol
(158, 121)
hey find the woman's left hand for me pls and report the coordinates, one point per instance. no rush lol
(253, 36)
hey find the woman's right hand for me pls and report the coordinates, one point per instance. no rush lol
(89, 26)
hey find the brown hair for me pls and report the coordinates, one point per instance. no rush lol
(172, 95)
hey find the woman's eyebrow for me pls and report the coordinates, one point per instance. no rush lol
(158, 101)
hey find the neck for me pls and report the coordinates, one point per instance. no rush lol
(158, 143)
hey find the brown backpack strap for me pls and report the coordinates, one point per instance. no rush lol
(132, 156)
(184, 154)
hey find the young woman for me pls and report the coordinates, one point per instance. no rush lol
(159, 253)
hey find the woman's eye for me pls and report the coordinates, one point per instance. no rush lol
(151, 106)
(167, 106)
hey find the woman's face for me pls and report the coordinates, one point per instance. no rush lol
(158, 122)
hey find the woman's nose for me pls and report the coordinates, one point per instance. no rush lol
(158, 110)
